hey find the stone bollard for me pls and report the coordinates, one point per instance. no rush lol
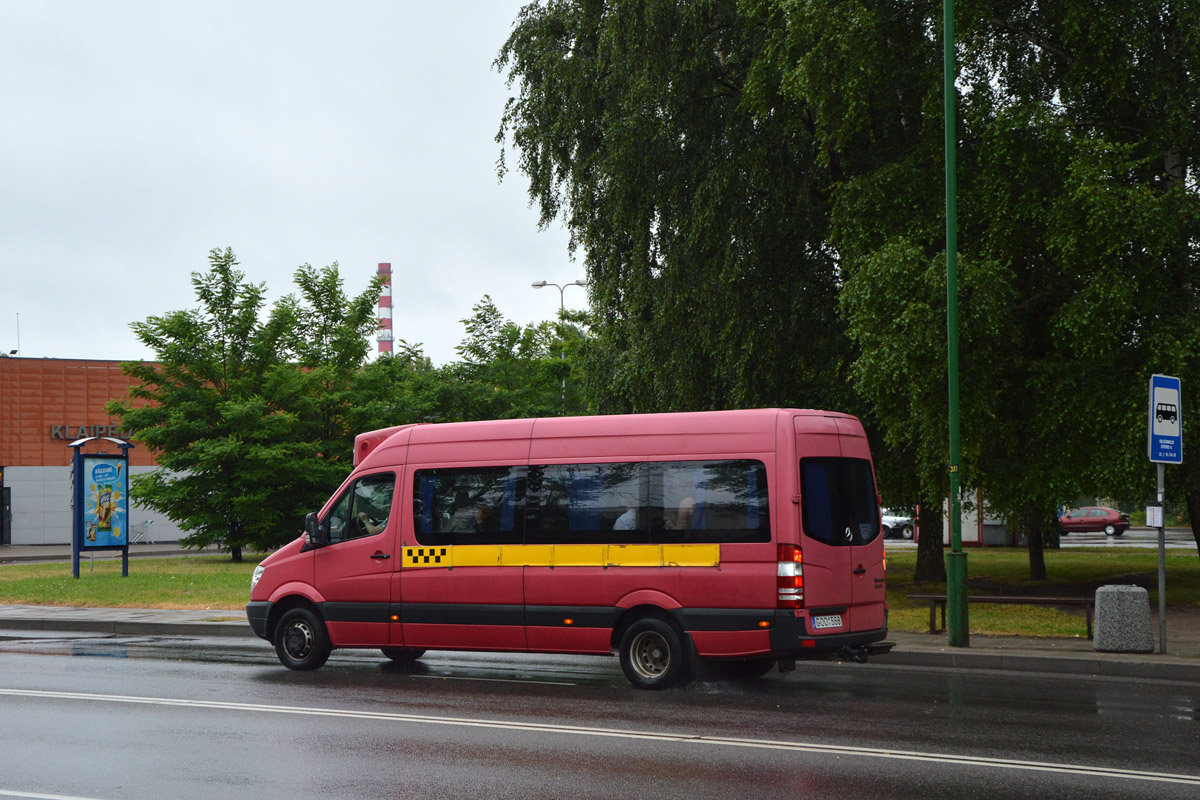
(1123, 620)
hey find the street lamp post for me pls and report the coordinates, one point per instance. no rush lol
(958, 628)
(562, 311)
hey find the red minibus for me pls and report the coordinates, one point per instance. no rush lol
(746, 537)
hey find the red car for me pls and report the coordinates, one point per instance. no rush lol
(1095, 518)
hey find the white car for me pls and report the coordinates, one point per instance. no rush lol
(897, 523)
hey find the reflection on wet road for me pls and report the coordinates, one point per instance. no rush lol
(151, 717)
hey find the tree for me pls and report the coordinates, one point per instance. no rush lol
(509, 371)
(252, 421)
(505, 371)
(702, 196)
(1079, 221)
(398, 388)
(326, 342)
(757, 188)
(1127, 224)
(696, 196)
(200, 411)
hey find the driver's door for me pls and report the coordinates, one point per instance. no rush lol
(353, 572)
(1075, 521)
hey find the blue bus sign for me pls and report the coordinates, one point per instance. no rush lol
(1165, 440)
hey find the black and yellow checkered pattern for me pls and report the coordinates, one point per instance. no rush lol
(426, 556)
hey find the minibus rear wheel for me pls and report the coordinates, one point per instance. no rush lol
(652, 653)
(301, 641)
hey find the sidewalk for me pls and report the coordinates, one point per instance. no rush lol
(125, 621)
(1058, 655)
(1009, 653)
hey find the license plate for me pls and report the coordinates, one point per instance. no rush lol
(827, 621)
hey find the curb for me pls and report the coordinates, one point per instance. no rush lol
(222, 629)
(1070, 665)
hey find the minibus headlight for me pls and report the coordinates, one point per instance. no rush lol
(258, 573)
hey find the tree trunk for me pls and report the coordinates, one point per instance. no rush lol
(1033, 537)
(931, 564)
(1193, 504)
(233, 533)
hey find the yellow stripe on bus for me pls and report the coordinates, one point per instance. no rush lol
(564, 555)
(634, 555)
(578, 555)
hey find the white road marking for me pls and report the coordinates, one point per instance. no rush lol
(535, 727)
(37, 796)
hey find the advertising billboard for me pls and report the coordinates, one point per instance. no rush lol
(105, 501)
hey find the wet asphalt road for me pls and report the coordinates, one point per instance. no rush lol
(113, 717)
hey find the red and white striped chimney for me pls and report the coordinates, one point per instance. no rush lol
(385, 310)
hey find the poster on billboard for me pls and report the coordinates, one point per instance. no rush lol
(105, 501)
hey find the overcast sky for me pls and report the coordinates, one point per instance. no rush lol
(137, 136)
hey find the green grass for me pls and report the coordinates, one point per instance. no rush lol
(199, 582)
(1071, 573)
(188, 582)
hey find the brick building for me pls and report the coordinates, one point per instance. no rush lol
(45, 404)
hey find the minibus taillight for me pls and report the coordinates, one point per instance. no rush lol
(790, 580)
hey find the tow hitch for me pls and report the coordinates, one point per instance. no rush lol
(857, 654)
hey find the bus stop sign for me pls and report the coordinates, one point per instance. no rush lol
(1164, 443)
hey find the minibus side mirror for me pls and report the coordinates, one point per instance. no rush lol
(313, 531)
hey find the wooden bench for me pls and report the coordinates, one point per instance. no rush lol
(936, 600)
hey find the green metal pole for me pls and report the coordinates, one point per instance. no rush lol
(956, 562)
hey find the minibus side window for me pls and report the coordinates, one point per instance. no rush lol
(588, 504)
(477, 505)
(709, 501)
(649, 502)
(363, 509)
(839, 502)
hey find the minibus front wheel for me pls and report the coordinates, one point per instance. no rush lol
(652, 653)
(301, 641)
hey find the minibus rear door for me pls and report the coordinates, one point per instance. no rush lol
(826, 562)
(840, 523)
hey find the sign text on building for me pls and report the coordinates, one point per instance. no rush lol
(69, 433)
